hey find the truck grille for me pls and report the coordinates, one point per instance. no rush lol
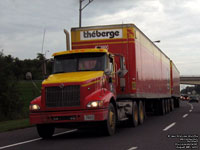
(66, 96)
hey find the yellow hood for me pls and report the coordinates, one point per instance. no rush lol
(72, 77)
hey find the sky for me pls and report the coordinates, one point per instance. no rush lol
(176, 23)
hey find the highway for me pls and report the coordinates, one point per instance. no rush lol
(176, 130)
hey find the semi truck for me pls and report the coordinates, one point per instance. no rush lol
(113, 73)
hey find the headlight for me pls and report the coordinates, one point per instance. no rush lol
(34, 107)
(95, 104)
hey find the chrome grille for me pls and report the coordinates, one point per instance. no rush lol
(66, 96)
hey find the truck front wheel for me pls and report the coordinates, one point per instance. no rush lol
(45, 130)
(110, 125)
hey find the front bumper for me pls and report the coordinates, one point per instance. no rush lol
(68, 116)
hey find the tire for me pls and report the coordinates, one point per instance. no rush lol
(45, 130)
(133, 119)
(169, 105)
(141, 112)
(176, 103)
(162, 107)
(167, 108)
(110, 124)
(156, 107)
(172, 104)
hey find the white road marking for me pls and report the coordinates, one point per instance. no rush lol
(185, 115)
(191, 106)
(65, 132)
(132, 148)
(12, 145)
(190, 110)
(169, 126)
(33, 140)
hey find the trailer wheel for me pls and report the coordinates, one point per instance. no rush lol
(167, 106)
(110, 125)
(172, 104)
(156, 107)
(176, 103)
(141, 112)
(45, 130)
(133, 119)
(162, 107)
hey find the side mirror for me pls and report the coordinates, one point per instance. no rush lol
(122, 73)
(28, 76)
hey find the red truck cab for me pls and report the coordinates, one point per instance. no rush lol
(80, 89)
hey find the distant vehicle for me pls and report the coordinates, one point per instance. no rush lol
(193, 99)
(185, 97)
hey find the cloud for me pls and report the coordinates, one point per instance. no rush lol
(175, 22)
(22, 25)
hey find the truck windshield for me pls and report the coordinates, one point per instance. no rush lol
(79, 62)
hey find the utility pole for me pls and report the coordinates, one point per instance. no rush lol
(43, 40)
(81, 8)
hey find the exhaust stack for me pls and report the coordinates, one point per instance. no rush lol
(67, 40)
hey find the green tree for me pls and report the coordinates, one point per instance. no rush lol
(10, 103)
(40, 56)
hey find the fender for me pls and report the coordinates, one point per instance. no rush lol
(37, 100)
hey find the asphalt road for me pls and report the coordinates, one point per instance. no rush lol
(177, 130)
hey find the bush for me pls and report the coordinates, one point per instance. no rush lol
(10, 103)
(15, 93)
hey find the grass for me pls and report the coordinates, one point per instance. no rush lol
(27, 93)
(14, 124)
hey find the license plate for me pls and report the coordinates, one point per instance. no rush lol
(88, 117)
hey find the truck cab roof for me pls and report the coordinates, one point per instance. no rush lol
(94, 50)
